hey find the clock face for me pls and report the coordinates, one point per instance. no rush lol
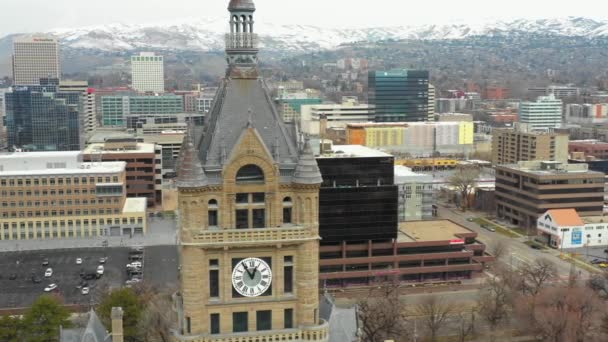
(251, 277)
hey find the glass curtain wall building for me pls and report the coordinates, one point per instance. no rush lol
(41, 118)
(399, 95)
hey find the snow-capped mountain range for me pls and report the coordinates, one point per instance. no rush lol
(208, 34)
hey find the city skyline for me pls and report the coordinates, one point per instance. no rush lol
(71, 13)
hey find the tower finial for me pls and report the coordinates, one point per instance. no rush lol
(241, 42)
(250, 118)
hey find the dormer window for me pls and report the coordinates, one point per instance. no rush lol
(250, 174)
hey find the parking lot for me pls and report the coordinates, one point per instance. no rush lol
(160, 265)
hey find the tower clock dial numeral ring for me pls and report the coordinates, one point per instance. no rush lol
(251, 277)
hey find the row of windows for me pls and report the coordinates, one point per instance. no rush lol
(52, 213)
(251, 217)
(240, 321)
(51, 192)
(69, 202)
(69, 223)
(58, 181)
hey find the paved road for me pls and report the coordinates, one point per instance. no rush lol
(519, 252)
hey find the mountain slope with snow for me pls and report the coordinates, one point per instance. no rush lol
(208, 34)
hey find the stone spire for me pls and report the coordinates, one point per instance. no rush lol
(307, 170)
(190, 173)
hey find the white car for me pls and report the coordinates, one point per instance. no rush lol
(134, 264)
(103, 260)
(48, 273)
(85, 290)
(50, 288)
(132, 281)
(78, 261)
(100, 270)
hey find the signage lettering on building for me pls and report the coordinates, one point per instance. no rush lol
(577, 236)
(457, 242)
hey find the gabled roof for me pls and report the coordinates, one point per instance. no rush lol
(94, 332)
(239, 104)
(565, 217)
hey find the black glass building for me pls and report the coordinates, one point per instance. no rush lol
(41, 118)
(358, 200)
(399, 95)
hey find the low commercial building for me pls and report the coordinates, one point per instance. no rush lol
(588, 113)
(424, 251)
(526, 190)
(590, 148)
(415, 194)
(415, 138)
(565, 229)
(54, 195)
(142, 178)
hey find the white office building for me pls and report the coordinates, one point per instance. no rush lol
(545, 113)
(35, 57)
(415, 194)
(565, 229)
(337, 115)
(148, 73)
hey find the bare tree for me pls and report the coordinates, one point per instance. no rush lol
(494, 303)
(381, 314)
(434, 312)
(599, 284)
(499, 249)
(464, 180)
(536, 275)
(157, 319)
(561, 314)
(466, 325)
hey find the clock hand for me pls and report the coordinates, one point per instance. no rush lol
(247, 270)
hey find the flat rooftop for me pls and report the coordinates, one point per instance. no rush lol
(135, 205)
(354, 151)
(436, 230)
(140, 148)
(53, 163)
(552, 168)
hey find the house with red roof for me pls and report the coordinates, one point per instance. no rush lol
(565, 229)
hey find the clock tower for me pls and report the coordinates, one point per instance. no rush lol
(248, 208)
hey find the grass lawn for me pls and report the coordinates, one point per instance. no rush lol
(499, 229)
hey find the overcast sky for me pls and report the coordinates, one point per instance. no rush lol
(41, 15)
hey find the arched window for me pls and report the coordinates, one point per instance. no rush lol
(212, 217)
(287, 210)
(244, 22)
(250, 174)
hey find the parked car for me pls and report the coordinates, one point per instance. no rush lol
(136, 264)
(50, 288)
(100, 270)
(45, 262)
(78, 261)
(596, 261)
(89, 276)
(48, 273)
(85, 290)
(103, 260)
(535, 246)
(36, 280)
(132, 281)
(603, 265)
(12, 276)
(83, 283)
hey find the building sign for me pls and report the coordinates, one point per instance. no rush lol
(577, 236)
(457, 242)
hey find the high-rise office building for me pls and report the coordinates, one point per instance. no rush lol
(545, 113)
(399, 95)
(42, 118)
(148, 73)
(34, 58)
(512, 145)
(431, 103)
(88, 108)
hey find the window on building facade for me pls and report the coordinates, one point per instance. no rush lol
(250, 174)
(214, 323)
(287, 210)
(288, 274)
(263, 320)
(288, 318)
(240, 322)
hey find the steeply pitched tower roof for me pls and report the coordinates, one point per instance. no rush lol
(191, 173)
(238, 104)
(307, 170)
(241, 5)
